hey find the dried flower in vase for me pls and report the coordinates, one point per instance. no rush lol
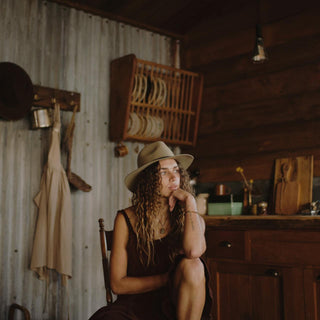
(240, 170)
(247, 187)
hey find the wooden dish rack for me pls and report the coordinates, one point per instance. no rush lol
(150, 102)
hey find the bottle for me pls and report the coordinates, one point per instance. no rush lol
(245, 207)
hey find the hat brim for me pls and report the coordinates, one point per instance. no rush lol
(16, 91)
(185, 161)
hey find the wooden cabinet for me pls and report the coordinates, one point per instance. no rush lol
(246, 291)
(263, 274)
(312, 293)
(149, 101)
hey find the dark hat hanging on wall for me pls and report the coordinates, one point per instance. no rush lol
(16, 91)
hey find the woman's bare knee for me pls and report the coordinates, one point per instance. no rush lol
(189, 290)
(191, 271)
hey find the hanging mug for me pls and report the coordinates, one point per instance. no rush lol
(40, 118)
(121, 150)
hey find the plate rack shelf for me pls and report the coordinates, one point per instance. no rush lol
(149, 102)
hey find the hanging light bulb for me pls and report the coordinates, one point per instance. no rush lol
(259, 53)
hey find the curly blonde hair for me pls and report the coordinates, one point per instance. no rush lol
(146, 202)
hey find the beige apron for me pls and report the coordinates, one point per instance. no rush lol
(52, 247)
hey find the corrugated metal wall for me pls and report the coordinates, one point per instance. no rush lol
(67, 49)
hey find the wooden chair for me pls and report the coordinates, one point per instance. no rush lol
(105, 243)
(13, 308)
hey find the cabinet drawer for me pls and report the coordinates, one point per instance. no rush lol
(225, 244)
(285, 247)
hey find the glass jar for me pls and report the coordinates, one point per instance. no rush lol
(262, 208)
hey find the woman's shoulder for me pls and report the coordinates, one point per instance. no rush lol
(127, 215)
(129, 212)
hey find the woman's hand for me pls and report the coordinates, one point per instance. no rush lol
(185, 198)
(194, 243)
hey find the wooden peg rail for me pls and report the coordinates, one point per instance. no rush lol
(47, 97)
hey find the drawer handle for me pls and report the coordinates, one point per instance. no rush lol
(225, 244)
(318, 278)
(273, 273)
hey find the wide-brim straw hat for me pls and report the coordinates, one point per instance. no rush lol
(152, 153)
(16, 91)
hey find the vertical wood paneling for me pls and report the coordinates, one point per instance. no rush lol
(68, 49)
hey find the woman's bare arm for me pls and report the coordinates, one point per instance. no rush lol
(120, 282)
(194, 243)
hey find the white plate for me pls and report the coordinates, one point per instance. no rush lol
(163, 93)
(144, 87)
(149, 126)
(139, 88)
(153, 124)
(159, 127)
(142, 125)
(153, 91)
(135, 86)
(158, 97)
(135, 124)
(129, 123)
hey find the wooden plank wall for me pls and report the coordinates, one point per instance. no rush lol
(253, 114)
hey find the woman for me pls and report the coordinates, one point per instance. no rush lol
(156, 269)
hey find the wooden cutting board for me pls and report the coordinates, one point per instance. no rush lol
(292, 184)
(287, 192)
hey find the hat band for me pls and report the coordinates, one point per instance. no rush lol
(157, 159)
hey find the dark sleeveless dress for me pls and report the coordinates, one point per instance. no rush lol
(152, 305)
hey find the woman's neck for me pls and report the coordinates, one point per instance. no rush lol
(164, 206)
(161, 223)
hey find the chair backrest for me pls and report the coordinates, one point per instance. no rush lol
(106, 243)
(15, 307)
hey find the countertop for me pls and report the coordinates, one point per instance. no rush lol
(263, 222)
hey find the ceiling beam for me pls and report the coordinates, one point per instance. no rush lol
(115, 17)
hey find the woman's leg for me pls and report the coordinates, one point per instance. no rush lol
(189, 289)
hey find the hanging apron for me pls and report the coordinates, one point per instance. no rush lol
(52, 246)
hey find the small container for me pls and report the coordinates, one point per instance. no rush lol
(254, 209)
(40, 119)
(202, 203)
(314, 208)
(121, 150)
(222, 190)
(262, 208)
